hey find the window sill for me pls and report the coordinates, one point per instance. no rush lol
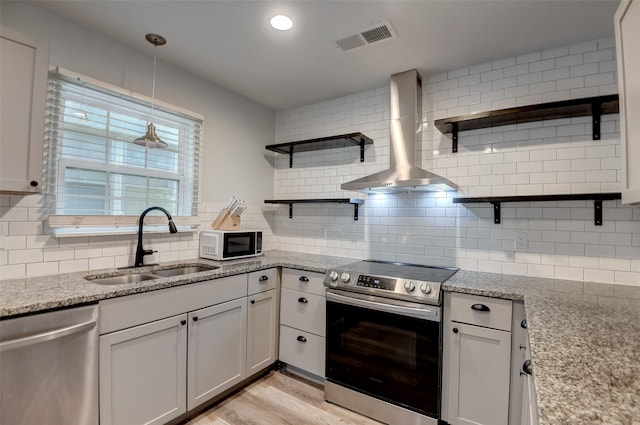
(78, 226)
(74, 232)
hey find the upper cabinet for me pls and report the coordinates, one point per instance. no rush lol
(23, 84)
(627, 24)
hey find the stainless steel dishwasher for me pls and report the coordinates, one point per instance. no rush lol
(49, 368)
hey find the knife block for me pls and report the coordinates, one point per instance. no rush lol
(226, 221)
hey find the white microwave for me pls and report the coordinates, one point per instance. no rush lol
(230, 244)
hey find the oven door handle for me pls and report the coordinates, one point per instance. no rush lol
(427, 313)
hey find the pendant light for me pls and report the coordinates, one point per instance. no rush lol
(151, 139)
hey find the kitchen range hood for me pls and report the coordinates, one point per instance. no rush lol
(405, 128)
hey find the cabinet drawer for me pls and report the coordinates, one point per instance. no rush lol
(302, 350)
(301, 280)
(303, 311)
(481, 311)
(262, 280)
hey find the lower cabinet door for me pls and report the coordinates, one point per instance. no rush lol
(142, 373)
(261, 331)
(480, 360)
(217, 350)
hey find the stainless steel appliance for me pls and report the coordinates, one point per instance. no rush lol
(49, 368)
(405, 128)
(384, 340)
(230, 244)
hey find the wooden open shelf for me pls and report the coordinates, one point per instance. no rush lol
(497, 200)
(594, 106)
(355, 201)
(331, 142)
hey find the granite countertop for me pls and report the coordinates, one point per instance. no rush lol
(29, 295)
(584, 337)
(585, 344)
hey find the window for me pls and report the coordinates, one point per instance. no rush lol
(92, 165)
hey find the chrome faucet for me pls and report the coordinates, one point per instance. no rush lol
(140, 251)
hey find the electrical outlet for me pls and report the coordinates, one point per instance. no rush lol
(520, 242)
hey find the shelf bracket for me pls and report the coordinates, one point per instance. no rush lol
(496, 212)
(355, 212)
(596, 114)
(361, 150)
(290, 210)
(597, 212)
(454, 137)
(290, 158)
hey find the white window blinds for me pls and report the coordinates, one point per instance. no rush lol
(92, 166)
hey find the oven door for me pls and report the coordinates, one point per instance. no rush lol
(388, 350)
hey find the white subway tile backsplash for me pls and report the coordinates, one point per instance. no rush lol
(42, 269)
(586, 46)
(627, 278)
(530, 78)
(72, 266)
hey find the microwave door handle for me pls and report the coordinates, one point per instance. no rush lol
(419, 313)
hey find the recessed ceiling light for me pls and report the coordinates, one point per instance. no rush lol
(281, 22)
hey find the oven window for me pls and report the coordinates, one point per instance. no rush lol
(391, 357)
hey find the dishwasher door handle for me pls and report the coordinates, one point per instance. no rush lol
(46, 336)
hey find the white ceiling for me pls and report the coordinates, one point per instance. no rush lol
(231, 44)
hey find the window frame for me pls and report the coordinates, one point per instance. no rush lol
(187, 199)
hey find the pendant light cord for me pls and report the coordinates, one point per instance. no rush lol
(153, 84)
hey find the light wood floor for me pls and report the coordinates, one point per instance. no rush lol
(279, 398)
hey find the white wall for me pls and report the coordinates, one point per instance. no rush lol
(548, 157)
(232, 158)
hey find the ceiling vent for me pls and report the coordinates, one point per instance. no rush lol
(373, 34)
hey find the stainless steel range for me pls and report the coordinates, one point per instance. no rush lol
(384, 340)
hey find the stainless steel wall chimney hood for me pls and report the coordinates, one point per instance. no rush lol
(405, 127)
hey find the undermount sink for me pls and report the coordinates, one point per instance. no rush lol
(156, 274)
(180, 271)
(124, 279)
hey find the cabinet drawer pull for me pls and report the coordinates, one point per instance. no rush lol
(34, 183)
(263, 278)
(253, 301)
(455, 330)
(183, 322)
(303, 300)
(195, 318)
(303, 279)
(300, 338)
(480, 307)
(523, 324)
(527, 368)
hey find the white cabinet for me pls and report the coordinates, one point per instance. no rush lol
(302, 321)
(165, 352)
(519, 346)
(143, 373)
(627, 26)
(262, 320)
(217, 350)
(523, 406)
(23, 84)
(530, 415)
(477, 353)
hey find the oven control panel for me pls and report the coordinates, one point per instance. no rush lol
(392, 287)
(385, 283)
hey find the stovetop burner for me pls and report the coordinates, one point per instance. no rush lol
(413, 282)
